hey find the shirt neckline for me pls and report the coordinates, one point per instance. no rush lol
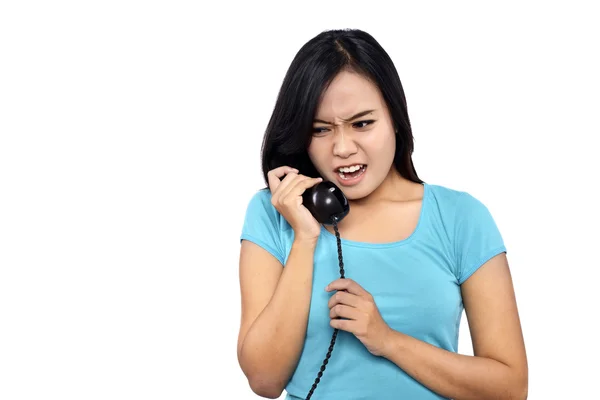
(347, 242)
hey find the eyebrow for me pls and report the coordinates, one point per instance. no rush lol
(360, 114)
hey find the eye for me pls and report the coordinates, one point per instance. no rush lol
(318, 131)
(359, 125)
(367, 122)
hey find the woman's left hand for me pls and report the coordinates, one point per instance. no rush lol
(363, 319)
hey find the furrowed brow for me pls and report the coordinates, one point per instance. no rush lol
(360, 114)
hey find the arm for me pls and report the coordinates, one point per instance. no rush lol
(275, 307)
(498, 369)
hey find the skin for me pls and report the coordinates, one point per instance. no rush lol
(384, 207)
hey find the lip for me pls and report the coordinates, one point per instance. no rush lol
(347, 165)
(353, 181)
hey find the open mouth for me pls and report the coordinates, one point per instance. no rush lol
(351, 172)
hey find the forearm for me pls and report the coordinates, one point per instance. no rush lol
(273, 344)
(452, 375)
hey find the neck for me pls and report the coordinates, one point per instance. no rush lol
(393, 188)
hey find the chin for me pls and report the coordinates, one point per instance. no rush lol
(356, 192)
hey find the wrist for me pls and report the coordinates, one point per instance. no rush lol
(391, 342)
(305, 242)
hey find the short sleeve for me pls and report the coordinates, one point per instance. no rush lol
(477, 237)
(262, 225)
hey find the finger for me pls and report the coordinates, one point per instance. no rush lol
(348, 285)
(274, 175)
(342, 311)
(292, 184)
(298, 186)
(347, 325)
(343, 297)
(281, 188)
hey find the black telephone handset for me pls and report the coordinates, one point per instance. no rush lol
(328, 204)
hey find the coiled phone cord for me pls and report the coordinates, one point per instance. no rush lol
(335, 331)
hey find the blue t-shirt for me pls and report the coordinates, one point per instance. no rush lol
(415, 283)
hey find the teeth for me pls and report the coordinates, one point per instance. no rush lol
(361, 168)
(351, 169)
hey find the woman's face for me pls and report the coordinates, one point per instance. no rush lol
(353, 128)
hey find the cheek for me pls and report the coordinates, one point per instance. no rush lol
(390, 145)
(316, 155)
(382, 147)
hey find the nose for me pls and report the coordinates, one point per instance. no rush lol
(343, 145)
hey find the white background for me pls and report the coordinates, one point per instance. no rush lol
(130, 146)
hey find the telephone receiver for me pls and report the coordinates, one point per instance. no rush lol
(326, 202)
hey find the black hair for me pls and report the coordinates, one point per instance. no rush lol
(312, 70)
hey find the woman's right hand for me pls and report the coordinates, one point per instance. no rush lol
(286, 197)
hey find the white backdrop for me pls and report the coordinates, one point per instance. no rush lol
(130, 138)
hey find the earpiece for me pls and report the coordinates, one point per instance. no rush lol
(326, 202)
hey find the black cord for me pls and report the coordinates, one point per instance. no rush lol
(335, 331)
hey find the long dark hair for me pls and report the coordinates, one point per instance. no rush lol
(289, 131)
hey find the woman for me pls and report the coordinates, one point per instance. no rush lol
(414, 253)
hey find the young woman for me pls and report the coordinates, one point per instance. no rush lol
(414, 254)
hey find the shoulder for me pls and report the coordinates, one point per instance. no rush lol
(261, 199)
(264, 226)
(453, 202)
(260, 203)
(260, 208)
(462, 213)
(459, 213)
(471, 230)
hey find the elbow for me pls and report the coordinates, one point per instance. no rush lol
(520, 388)
(261, 383)
(261, 380)
(518, 394)
(264, 388)
(523, 392)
